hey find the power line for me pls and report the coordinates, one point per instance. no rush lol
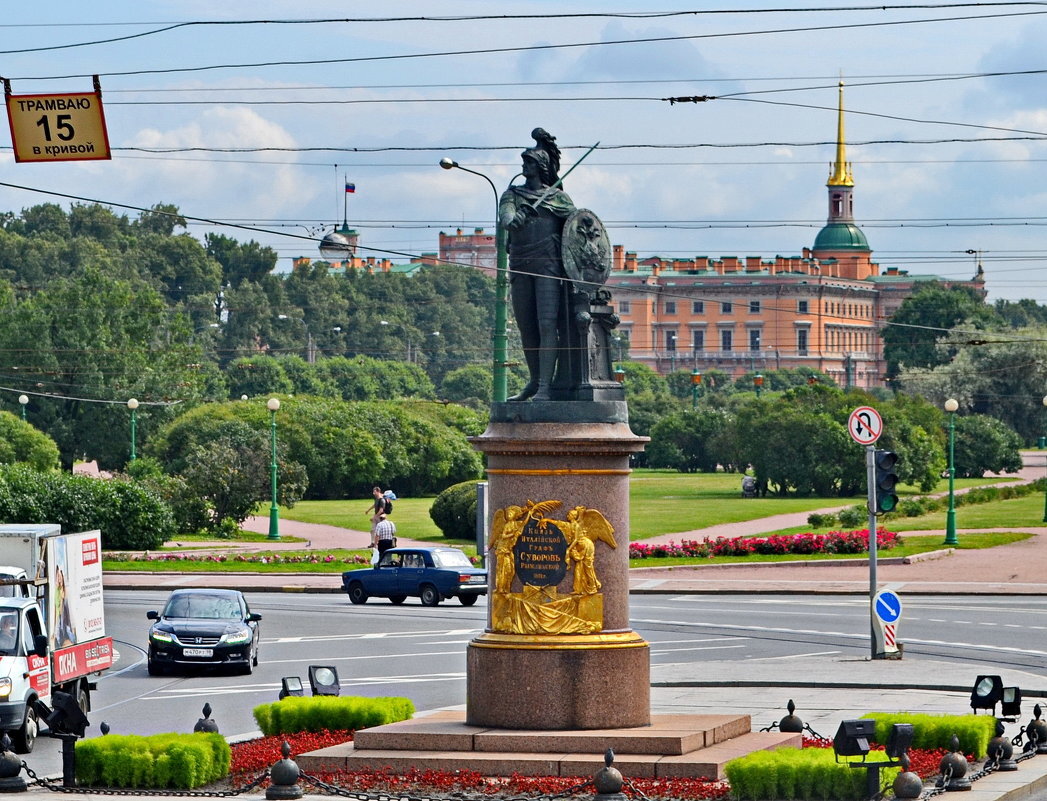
(532, 48)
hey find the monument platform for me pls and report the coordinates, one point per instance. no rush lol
(673, 746)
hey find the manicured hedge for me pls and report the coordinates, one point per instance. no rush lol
(936, 731)
(454, 511)
(129, 515)
(180, 761)
(810, 774)
(320, 712)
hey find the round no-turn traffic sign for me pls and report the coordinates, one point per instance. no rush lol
(865, 425)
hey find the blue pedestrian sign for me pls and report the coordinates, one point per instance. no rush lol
(887, 606)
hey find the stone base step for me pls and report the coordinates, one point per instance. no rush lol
(673, 746)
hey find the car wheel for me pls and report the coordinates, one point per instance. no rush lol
(24, 739)
(357, 593)
(430, 596)
(254, 659)
(397, 599)
(467, 600)
(155, 669)
(247, 668)
(83, 698)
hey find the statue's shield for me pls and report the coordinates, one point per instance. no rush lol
(586, 249)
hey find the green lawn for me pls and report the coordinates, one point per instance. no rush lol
(661, 502)
(336, 561)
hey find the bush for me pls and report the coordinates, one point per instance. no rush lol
(793, 773)
(454, 511)
(181, 761)
(129, 516)
(325, 712)
(936, 731)
(815, 520)
(853, 516)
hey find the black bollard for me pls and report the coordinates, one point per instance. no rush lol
(608, 780)
(205, 723)
(954, 765)
(11, 780)
(283, 778)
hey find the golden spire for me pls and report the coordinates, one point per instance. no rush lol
(841, 170)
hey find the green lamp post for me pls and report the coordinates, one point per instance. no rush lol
(132, 404)
(274, 511)
(758, 384)
(500, 339)
(950, 516)
(23, 400)
(696, 383)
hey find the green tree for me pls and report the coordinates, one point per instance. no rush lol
(685, 440)
(984, 444)
(914, 332)
(20, 442)
(471, 385)
(241, 261)
(231, 473)
(258, 375)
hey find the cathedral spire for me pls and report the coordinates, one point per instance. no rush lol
(841, 169)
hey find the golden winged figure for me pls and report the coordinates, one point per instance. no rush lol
(506, 528)
(583, 527)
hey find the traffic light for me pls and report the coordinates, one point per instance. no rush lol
(886, 479)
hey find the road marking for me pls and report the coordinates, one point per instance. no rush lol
(845, 635)
(379, 636)
(366, 656)
(183, 693)
(707, 648)
(793, 656)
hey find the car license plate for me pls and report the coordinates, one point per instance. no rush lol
(203, 652)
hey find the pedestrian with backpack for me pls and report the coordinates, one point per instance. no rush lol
(377, 508)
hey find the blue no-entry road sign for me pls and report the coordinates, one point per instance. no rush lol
(887, 606)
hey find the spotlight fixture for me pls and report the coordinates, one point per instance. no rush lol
(1011, 702)
(987, 693)
(291, 685)
(323, 680)
(852, 738)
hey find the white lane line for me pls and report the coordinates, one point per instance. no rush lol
(708, 648)
(367, 656)
(793, 656)
(849, 635)
(178, 694)
(373, 636)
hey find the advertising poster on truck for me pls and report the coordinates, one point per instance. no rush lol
(76, 620)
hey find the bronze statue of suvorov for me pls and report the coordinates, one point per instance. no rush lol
(559, 257)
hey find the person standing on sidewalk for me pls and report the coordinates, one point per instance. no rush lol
(376, 509)
(384, 536)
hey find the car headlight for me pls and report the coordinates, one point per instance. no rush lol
(5, 687)
(160, 636)
(237, 637)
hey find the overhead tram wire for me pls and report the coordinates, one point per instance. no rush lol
(171, 26)
(529, 48)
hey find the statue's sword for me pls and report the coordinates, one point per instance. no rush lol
(559, 181)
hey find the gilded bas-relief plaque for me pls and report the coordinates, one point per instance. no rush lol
(534, 555)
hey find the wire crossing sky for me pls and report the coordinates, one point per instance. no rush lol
(256, 119)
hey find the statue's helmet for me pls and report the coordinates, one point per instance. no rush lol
(541, 158)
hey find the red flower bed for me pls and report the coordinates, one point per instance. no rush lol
(845, 542)
(252, 757)
(923, 762)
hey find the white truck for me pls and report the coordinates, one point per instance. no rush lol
(52, 627)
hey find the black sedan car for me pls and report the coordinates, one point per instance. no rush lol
(431, 574)
(202, 627)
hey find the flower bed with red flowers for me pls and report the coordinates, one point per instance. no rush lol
(834, 542)
(252, 757)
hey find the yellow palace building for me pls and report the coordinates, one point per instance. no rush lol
(823, 309)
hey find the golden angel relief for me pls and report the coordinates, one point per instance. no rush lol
(533, 555)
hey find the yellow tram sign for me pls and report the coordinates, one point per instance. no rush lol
(65, 127)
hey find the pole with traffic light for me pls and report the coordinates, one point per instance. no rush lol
(696, 383)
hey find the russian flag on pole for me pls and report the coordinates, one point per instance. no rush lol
(350, 188)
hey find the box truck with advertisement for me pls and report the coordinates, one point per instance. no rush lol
(52, 626)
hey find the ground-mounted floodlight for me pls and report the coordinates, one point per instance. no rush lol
(899, 740)
(323, 679)
(852, 738)
(1011, 703)
(291, 685)
(987, 693)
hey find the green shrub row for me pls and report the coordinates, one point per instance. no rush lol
(936, 731)
(180, 761)
(810, 774)
(320, 712)
(129, 515)
(915, 507)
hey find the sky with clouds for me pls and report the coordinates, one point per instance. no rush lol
(256, 123)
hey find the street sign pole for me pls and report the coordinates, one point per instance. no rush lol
(870, 480)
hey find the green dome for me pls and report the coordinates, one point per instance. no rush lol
(841, 236)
